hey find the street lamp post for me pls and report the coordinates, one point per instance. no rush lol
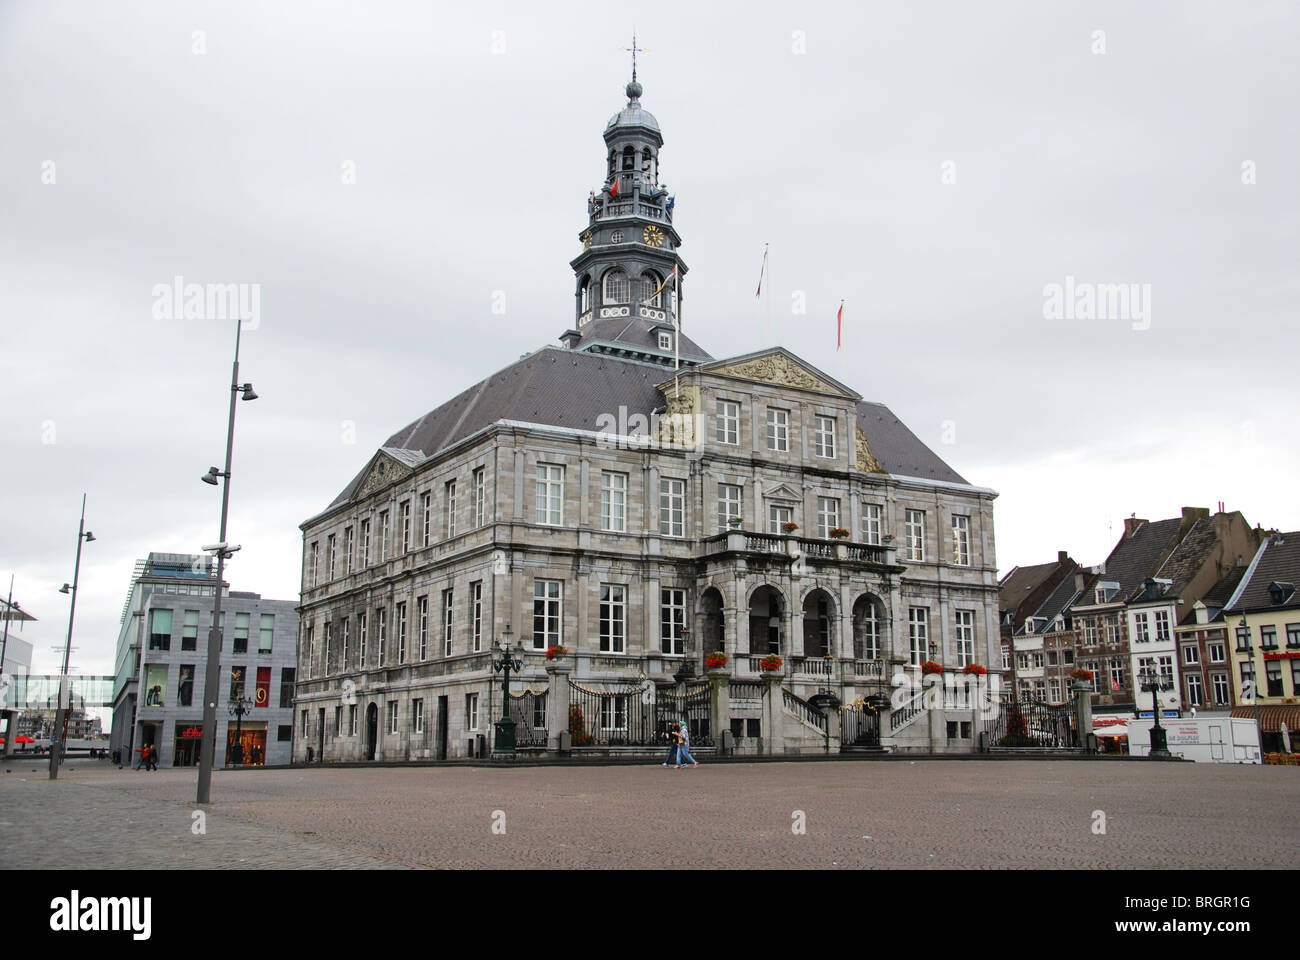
(1254, 686)
(238, 707)
(212, 677)
(1151, 680)
(504, 745)
(61, 718)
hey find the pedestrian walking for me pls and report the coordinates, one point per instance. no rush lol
(153, 758)
(684, 748)
(670, 734)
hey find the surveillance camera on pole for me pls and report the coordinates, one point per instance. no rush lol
(224, 549)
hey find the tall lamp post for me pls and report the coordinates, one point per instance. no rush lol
(1152, 681)
(238, 707)
(505, 727)
(222, 550)
(1243, 627)
(65, 697)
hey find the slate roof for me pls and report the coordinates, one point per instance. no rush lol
(1057, 602)
(1135, 557)
(1021, 582)
(1185, 561)
(1278, 559)
(573, 388)
(1217, 596)
(638, 333)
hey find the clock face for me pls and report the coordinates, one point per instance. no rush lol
(653, 236)
(586, 240)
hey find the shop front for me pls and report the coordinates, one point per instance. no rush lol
(189, 736)
(246, 744)
(1111, 730)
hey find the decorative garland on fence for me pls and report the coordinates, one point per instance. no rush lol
(631, 686)
(529, 690)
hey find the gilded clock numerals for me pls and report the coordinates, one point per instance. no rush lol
(653, 236)
(586, 240)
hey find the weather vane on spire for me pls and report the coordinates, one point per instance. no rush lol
(634, 48)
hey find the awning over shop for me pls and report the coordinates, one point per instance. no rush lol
(1111, 724)
(1271, 717)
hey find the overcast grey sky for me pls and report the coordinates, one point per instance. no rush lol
(136, 150)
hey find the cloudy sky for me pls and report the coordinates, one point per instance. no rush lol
(381, 170)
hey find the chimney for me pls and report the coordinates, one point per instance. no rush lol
(1080, 578)
(1062, 556)
(1192, 514)
(1131, 523)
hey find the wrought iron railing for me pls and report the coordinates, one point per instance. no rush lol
(695, 706)
(859, 727)
(528, 711)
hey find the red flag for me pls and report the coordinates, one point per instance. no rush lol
(613, 191)
(839, 326)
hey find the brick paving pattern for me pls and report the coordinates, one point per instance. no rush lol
(859, 815)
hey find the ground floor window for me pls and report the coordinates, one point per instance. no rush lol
(246, 745)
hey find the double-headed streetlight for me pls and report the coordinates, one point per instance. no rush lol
(1151, 680)
(61, 718)
(510, 660)
(239, 706)
(222, 550)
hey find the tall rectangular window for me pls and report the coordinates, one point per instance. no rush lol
(309, 647)
(361, 640)
(1243, 638)
(392, 716)
(828, 516)
(347, 550)
(480, 496)
(1268, 637)
(401, 632)
(778, 429)
(314, 563)
(365, 544)
(426, 516)
(329, 647)
(422, 616)
(728, 422)
(1141, 628)
(1195, 692)
(613, 502)
(730, 504)
(1222, 693)
(672, 620)
(383, 535)
(265, 633)
(871, 525)
(824, 437)
(352, 720)
(1162, 624)
(338, 721)
(471, 711)
(448, 609)
(778, 516)
(185, 688)
(546, 614)
(237, 682)
(417, 715)
(190, 631)
(613, 618)
(346, 636)
(965, 637)
(918, 634)
(672, 507)
(915, 535)
(961, 541)
(287, 677)
(476, 614)
(332, 554)
(1118, 673)
(550, 495)
(241, 633)
(450, 493)
(381, 633)
(406, 526)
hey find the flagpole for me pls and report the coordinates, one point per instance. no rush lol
(771, 338)
(677, 327)
(839, 344)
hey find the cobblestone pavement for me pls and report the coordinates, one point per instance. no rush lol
(739, 815)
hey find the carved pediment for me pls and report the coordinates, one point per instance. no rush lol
(781, 369)
(866, 460)
(782, 492)
(383, 472)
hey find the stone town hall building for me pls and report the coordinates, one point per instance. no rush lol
(596, 496)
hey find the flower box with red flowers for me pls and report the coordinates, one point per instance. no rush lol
(771, 663)
(715, 661)
(930, 667)
(789, 527)
(974, 670)
(838, 533)
(1081, 675)
(554, 653)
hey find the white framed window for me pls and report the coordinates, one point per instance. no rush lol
(338, 721)
(426, 510)
(422, 618)
(352, 720)
(728, 422)
(730, 504)
(613, 618)
(365, 544)
(672, 620)
(613, 712)
(965, 637)
(777, 516)
(550, 494)
(1221, 690)
(616, 282)
(1090, 631)
(1054, 685)
(613, 502)
(915, 523)
(824, 437)
(476, 614)
(1191, 655)
(778, 429)
(309, 638)
(392, 716)
(328, 644)
(961, 541)
(417, 715)
(361, 639)
(1117, 674)
(450, 490)
(1006, 657)
(1195, 690)
(1141, 628)
(480, 496)
(1217, 652)
(406, 526)
(347, 630)
(1162, 624)
(347, 550)
(665, 340)
(313, 563)
(871, 523)
(828, 516)
(448, 610)
(381, 635)
(918, 635)
(653, 296)
(401, 632)
(672, 507)
(383, 535)
(332, 551)
(547, 598)
(471, 711)
(867, 637)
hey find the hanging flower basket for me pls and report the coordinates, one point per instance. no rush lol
(789, 527)
(736, 521)
(715, 660)
(1081, 675)
(838, 533)
(887, 538)
(974, 670)
(930, 667)
(771, 663)
(554, 653)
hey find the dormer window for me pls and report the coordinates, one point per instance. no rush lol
(1279, 592)
(665, 340)
(616, 287)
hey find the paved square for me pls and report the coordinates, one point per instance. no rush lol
(858, 815)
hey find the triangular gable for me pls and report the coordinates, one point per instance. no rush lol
(781, 492)
(780, 366)
(385, 469)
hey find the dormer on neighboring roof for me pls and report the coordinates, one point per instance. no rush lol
(1279, 592)
(1107, 591)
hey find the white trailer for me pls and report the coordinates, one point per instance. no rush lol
(1203, 739)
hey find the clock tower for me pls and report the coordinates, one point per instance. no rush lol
(626, 292)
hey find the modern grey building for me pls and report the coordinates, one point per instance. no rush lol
(631, 504)
(162, 657)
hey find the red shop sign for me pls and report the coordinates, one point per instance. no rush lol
(192, 733)
(1282, 656)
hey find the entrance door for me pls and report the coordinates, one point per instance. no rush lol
(442, 728)
(372, 730)
(320, 722)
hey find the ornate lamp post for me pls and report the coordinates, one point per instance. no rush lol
(1243, 626)
(1150, 680)
(504, 745)
(238, 707)
(65, 693)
